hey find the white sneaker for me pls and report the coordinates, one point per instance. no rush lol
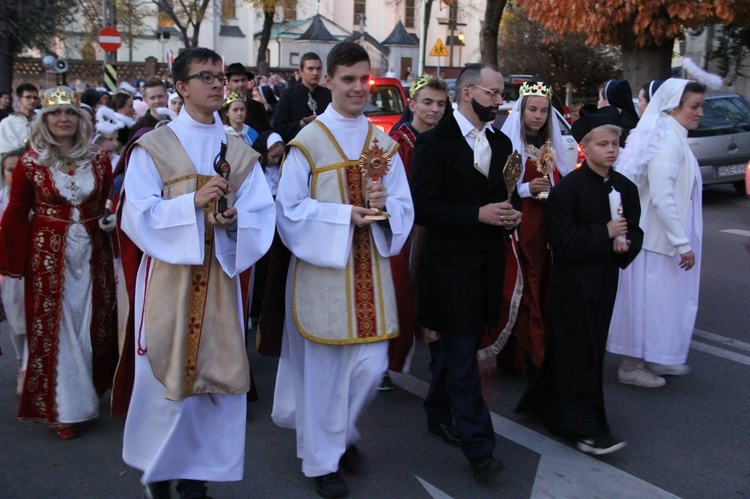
(600, 446)
(640, 376)
(667, 370)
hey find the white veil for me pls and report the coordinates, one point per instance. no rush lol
(513, 128)
(645, 139)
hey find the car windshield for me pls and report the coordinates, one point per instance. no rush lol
(722, 115)
(384, 100)
(512, 92)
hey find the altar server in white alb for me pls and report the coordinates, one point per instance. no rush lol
(186, 419)
(340, 301)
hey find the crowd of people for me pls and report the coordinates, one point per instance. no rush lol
(172, 205)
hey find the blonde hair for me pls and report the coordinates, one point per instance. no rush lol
(613, 129)
(48, 150)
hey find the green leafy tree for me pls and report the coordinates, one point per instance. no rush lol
(526, 47)
(28, 24)
(732, 46)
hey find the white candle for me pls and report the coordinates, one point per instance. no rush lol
(615, 208)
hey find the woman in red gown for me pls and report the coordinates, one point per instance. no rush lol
(536, 135)
(53, 234)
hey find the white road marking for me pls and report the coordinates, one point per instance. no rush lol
(435, 492)
(720, 352)
(562, 471)
(737, 232)
(739, 345)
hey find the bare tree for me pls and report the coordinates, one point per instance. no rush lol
(187, 15)
(130, 17)
(268, 9)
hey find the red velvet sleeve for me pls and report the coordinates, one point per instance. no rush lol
(14, 227)
(108, 177)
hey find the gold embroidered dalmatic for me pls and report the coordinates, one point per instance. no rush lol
(195, 340)
(355, 304)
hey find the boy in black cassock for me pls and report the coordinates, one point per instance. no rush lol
(568, 395)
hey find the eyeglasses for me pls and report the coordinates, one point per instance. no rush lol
(493, 93)
(208, 77)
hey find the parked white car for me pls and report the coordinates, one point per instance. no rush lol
(722, 140)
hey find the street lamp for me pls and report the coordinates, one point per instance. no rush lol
(460, 45)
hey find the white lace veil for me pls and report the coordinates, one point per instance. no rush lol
(645, 139)
(513, 128)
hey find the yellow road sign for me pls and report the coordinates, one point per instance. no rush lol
(439, 49)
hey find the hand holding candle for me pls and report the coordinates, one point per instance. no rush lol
(615, 210)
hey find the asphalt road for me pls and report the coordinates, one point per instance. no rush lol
(689, 439)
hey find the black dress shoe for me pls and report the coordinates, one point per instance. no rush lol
(157, 490)
(352, 460)
(484, 466)
(331, 485)
(192, 489)
(446, 431)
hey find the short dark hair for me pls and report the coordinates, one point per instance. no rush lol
(153, 82)
(181, 65)
(471, 74)
(308, 56)
(345, 54)
(25, 87)
(692, 88)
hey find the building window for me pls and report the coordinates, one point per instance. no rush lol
(290, 13)
(164, 20)
(294, 59)
(409, 14)
(360, 6)
(228, 9)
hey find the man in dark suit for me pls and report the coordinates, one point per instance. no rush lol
(461, 200)
(302, 103)
(237, 81)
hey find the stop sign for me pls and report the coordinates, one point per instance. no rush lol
(109, 39)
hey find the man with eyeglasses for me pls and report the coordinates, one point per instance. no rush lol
(16, 128)
(461, 200)
(186, 419)
(155, 96)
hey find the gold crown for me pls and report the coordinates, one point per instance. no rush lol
(233, 97)
(421, 82)
(57, 96)
(538, 88)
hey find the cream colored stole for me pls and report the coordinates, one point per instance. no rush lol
(195, 341)
(356, 304)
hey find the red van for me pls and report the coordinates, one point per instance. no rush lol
(386, 103)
